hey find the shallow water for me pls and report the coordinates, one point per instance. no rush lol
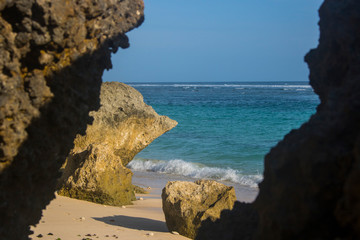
(224, 129)
(157, 182)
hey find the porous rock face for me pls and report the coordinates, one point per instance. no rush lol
(52, 56)
(123, 126)
(186, 204)
(312, 177)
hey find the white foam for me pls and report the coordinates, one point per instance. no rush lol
(188, 169)
(242, 86)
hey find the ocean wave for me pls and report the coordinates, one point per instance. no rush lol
(242, 86)
(188, 169)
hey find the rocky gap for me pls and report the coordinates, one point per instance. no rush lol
(88, 34)
(7, 72)
(31, 60)
(27, 87)
(13, 16)
(328, 66)
(2, 153)
(66, 35)
(38, 14)
(53, 47)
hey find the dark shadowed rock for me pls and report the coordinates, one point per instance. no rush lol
(186, 204)
(52, 56)
(123, 126)
(312, 177)
(230, 226)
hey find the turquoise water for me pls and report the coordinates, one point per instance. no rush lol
(224, 129)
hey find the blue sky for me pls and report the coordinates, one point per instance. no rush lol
(216, 41)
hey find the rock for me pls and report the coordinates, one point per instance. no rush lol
(139, 190)
(123, 126)
(52, 57)
(238, 223)
(186, 204)
(312, 177)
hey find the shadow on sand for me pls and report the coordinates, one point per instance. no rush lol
(138, 223)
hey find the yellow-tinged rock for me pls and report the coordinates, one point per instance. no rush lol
(187, 204)
(123, 126)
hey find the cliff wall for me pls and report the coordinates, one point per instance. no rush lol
(312, 177)
(95, 169)
(52, 56)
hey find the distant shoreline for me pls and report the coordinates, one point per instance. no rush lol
(218, 82)
(221, 82)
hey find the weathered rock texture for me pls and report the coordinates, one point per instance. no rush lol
(52, 56)
(123, 126)
(311, 186)
(186, 204)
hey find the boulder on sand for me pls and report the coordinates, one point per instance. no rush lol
(187, 204)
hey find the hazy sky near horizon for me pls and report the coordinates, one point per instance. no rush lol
(216, 41)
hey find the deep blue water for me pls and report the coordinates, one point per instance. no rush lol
(224, 129)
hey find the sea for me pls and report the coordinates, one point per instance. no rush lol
(224, 129)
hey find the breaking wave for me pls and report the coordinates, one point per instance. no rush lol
(193, 170)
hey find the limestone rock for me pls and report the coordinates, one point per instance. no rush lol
(123, 126)
(311, 178)
(52, 57)
(187, 204)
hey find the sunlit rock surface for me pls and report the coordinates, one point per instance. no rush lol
(186, 204)
(312, 177)
(52, 56)
(123, 126)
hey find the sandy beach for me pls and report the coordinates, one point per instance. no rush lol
(71, 219)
